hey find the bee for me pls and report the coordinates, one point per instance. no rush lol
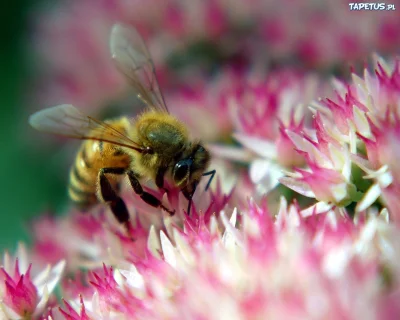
(155, 145)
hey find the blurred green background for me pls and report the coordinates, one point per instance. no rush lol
(27, 187)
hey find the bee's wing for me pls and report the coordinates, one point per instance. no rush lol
(68, 121)
(133, 59)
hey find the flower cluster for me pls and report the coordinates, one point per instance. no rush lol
(233, 257)
(254, 110)
(356, 130)
(72, 39)
(240, 265)
(24, 292)
(302, 219)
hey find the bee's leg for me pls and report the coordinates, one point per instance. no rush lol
(160, 178)
(212, 173)
(191, 198)
(109, 195)
(189, 195)
(146, 197)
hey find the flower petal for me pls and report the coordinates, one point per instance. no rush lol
(298, 186)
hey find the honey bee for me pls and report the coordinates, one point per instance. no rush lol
(154, 146)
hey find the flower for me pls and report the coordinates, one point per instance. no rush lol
(204, 106)
(97, 238)
(262, 110)
(328, 179)
(361, 116)
(243, 251)
(237, 30)
(234, 257)
(72, 42)
(282, 267)
(21, 295)
(256, 109)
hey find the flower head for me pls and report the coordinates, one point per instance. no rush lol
(282, 267)
(260, 112)
(243, 251)
(361, 116)
(255, 31)
(21, 295)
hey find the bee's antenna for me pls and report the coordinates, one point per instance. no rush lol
(212, 173)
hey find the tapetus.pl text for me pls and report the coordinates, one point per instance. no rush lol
(372, 6)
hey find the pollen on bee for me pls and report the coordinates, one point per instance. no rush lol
(82, 163)
(95, 147)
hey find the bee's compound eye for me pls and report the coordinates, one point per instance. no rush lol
(149, 150)
(181, 170)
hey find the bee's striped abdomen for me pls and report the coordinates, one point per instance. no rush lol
(84, 174)
(82, 179)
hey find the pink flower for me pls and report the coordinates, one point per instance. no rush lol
(71, 314)
(323, 184)
(287, 155)
(382, 148)
(97, 238)
(367, 109)
(235, 256)
(21, 295)
(73, 42)
(361, 115)
(261, 110)
(305, 35)
(328, 178)
(256, 30)
(257, 266)
(204, 106)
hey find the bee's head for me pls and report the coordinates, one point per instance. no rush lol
(190, 168)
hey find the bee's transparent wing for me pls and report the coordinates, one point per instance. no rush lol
(68, 121)
(133, 59)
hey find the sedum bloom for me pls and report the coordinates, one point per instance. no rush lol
(256, 109)
(248, 266)
(24, 294)
(358, 126)
(263, 110)
(72, 43)
(381, 133)
(235, 258)
(96, 237)
(328, 178)
(267, 30)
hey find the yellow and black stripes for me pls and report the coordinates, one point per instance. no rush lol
(90, 160)
(82, 183)
(81, 198)
(83, 155)
(78, 178)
